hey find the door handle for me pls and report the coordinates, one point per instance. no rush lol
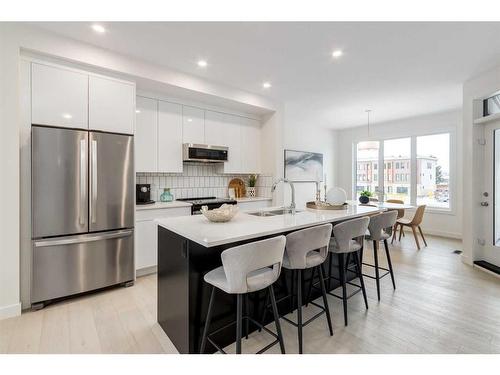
(485, 204)
(83, 179)
(93, 201)
(83, 239)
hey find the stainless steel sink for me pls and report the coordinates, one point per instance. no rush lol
(281, 211)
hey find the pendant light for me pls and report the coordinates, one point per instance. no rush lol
(368, 120)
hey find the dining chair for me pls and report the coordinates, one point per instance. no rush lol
(401, 214)
(413, 223)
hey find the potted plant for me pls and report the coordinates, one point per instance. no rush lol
(252, 181)
(364, 196)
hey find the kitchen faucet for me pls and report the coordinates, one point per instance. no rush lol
(285, 181)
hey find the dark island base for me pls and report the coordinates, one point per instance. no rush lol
(183, 296)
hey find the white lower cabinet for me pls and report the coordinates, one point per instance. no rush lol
(146, 235)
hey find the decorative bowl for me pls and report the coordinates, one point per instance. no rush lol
(220, 215)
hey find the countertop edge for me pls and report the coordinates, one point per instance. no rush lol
(263, 233)
(162, 206)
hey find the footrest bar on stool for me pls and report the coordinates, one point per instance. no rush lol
(267, 347)
(317, 315)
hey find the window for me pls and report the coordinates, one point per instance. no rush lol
(429, 184)
(367, 155)
(433, 188)
(396, 152)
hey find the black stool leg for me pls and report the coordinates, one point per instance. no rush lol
(325, 300)
(299, 307)
(239, 313)
(264, 313)
(390, 263)
(310, 286)
(246, 314)
(292, 291)
(343, 282)
(330, 271)
(276, 319)
(377, 277)
(207, 321)
(360, 275)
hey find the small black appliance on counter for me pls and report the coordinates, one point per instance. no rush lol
(143, 194)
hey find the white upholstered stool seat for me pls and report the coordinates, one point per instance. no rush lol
(256, 280)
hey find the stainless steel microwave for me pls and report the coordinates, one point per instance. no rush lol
(204, 153)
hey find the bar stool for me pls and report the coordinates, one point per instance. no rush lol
(306, 248)
(379, 226)
(245, 269)
(348, 238)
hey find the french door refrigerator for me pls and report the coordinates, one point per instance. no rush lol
(82, 211)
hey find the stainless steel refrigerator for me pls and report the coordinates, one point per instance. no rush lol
(82, 211)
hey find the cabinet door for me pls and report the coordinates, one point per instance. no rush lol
(146, 244)
(169, 137)
(59, 97)
(224, 130)
(250, 145)
(193, 124)
(146, 135)
(111, 105)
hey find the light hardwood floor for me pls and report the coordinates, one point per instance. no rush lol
(440, 306)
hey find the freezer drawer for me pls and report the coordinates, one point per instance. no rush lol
(68, 265)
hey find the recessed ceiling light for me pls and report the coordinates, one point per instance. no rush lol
(202, 64)
(98, 28)
(67, 116)
(190, 120)
(266, 85)
(137, 111)
(337, 53)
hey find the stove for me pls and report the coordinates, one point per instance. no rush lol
(210, 202)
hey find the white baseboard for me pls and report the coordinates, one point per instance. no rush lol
(439, 233)
(146, 271)
(10, 311)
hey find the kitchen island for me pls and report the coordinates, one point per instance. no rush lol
(190, 246)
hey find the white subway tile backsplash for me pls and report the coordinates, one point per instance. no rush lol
(198, 180)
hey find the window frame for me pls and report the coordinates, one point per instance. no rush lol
(451, 210)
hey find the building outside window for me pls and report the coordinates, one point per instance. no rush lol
(432, 162)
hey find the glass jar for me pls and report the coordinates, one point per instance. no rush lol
(166, 196)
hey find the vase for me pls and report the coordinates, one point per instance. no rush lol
(364, 199)
(166, 196)
(251, 192)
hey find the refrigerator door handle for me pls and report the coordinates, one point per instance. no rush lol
(83, 180)
(83, 239)
(93, 201)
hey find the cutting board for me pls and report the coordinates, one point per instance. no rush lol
(239, 187)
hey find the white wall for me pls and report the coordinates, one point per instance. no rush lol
(9, 170)
(473, 165)
(308, 137)
(444, 224)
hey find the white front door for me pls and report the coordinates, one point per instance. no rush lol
(490, 200)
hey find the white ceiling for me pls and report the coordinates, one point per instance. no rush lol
(396, 69)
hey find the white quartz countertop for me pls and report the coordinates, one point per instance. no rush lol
(161, 205)
(244, 226)
(252, 199)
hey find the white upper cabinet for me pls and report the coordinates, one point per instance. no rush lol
(250, 145)
(224, 130)
(146, 135)
(59, 97)
(170, 125)
(193, 125)
(111, 105)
